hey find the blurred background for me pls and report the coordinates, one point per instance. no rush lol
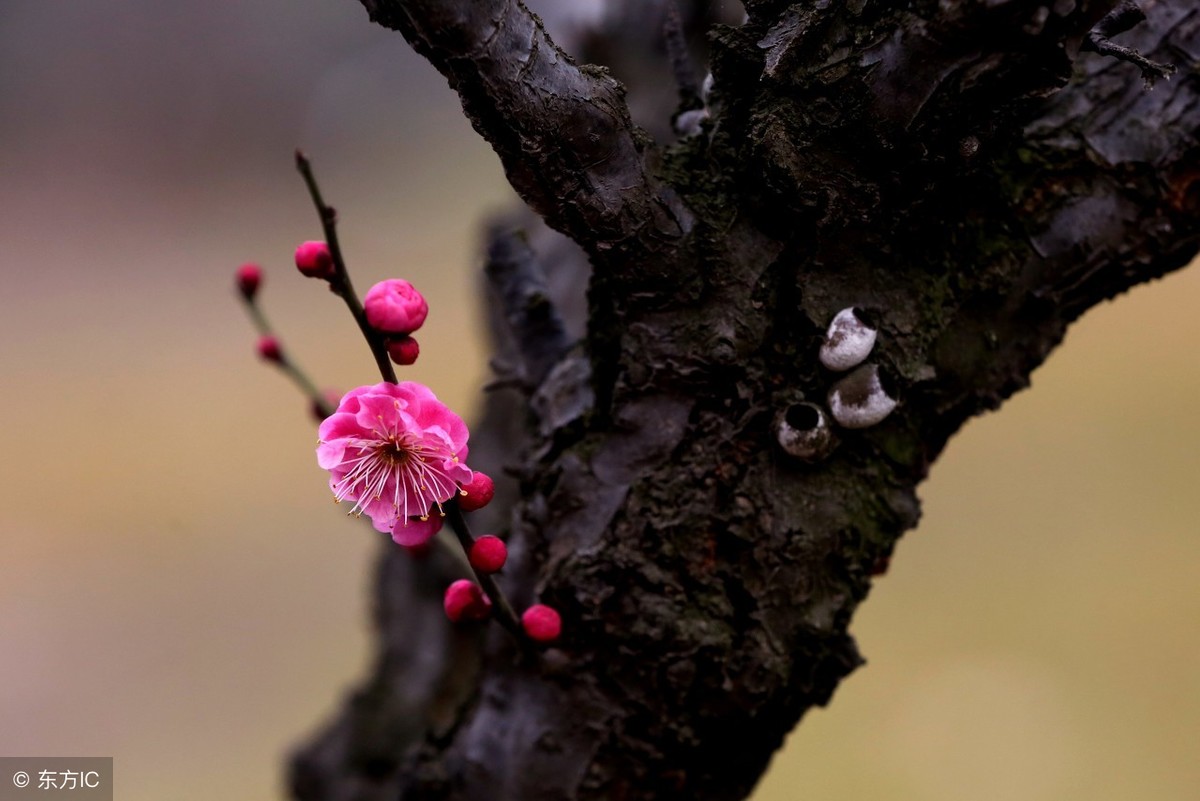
(176, 590)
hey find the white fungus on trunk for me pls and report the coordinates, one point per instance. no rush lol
(848, 341)
(862, 398)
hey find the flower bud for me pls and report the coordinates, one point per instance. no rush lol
(269, 349)
(476, 493)
(249, 277)
(488, 554)
(314, 260)
(862, 398)
(465, 600)
(541, 623)
(803, 431)
(395, 307)
(848, 341)
(404, 351)
(330, 398)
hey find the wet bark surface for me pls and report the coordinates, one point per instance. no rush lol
(974, 176)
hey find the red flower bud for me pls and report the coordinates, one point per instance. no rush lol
(488, 554)
(268, 348)
(331, 398)
(465, 600)
(476, 493)
(541, 623)
(395, 307)
(249, 277)
(403, 351)
(314, 260)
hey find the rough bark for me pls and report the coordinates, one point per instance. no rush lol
(970, 173)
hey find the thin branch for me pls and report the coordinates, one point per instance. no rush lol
(340, 283)
(505, 615)
(1122, 18)
(319, 403)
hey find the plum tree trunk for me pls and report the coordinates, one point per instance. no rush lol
(974, 175)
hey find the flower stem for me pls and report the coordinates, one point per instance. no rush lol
(340, 283)
(289, 368)
(504, 611)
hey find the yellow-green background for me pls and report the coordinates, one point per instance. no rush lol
(177, 591)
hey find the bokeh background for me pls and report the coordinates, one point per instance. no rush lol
(176, 590)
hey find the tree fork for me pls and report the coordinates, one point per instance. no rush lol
(965, 172)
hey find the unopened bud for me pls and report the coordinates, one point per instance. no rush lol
(541, 623)
(476, 493)
(314, 260)
(404, 351)
(488, 554)
(249, 277)
(395, 307)
(269, 349)
(465, 600)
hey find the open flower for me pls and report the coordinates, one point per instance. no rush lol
(398, 453)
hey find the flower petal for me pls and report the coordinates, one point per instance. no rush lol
(414, 531)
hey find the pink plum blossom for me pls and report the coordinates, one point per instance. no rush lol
(395, 306)
(398, 453)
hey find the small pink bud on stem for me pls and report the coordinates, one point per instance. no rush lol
(488, 554)
(476, 493)
(465, 600)
(269, 349)
(314, 260)
(323, 403)
(541, 623)
(404, 351)
(249, 278)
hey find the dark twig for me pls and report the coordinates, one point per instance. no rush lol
(504, 611)
(340, 283)
(1125, 16)
(290, 369)
(519, 284)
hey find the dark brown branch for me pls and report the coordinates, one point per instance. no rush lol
(1125, 16)
(563, 132)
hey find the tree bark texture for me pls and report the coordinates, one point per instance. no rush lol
(973, 175)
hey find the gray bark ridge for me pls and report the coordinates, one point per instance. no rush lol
(971, 175)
